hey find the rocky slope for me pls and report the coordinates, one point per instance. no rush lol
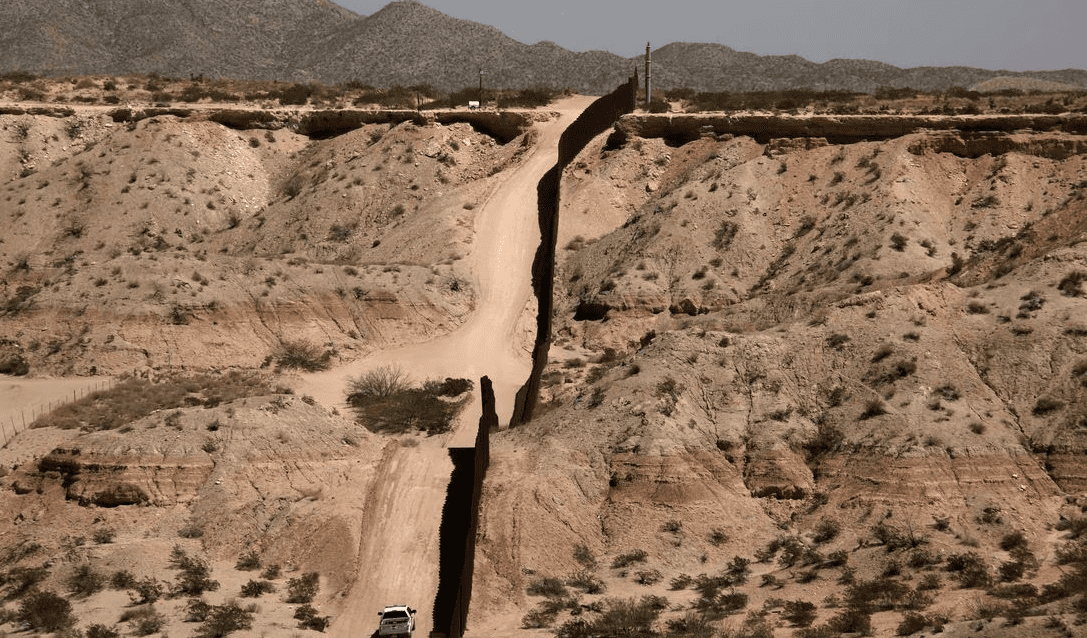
(757, 337)
(182, 242)
(835, 358)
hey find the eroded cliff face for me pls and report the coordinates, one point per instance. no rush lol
(234, 475)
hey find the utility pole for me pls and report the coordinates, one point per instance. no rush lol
(648, 79)
(481, 87)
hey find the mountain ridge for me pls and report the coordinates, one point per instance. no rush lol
(405, 43)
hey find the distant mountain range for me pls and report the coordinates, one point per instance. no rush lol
(404, 43)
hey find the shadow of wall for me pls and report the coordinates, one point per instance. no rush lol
(460, 520)
(597, 118)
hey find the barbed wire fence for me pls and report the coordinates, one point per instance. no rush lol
(27, 416)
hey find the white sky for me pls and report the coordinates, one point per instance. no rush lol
(1014, 35)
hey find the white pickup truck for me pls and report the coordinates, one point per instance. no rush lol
(396, 620)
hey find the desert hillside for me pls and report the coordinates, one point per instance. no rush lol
(811, 374)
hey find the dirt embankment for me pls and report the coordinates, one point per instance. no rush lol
(755, 336)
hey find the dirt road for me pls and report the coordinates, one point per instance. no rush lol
(398, 561)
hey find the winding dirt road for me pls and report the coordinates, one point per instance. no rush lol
(398, 554)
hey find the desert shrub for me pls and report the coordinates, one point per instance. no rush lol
(647, 577)
(146, 591)
(307, 618)
(45, 611)
(627, 617)
(379, 383)
(271, 572)
(682, 581)
(971, 569)
(539, 617)
(1072, 284)
(717, 537)
(304, 588)
(194, 577)
(1045, 405)
(122, 579)
(724, 234)
(586, 582)
(257, 588)
(898, 242)
(837, 558)
(301, 355)
(102, 631)
(1013, 540)
(800, 613)
(448, 387)
(385, 402)
(1075, 527)
(673, 526)
(731, 602)
(20, 580)
(827, 439)
(104, 535)
(191, 530)
(629, 558)
(248, 561)
(197, 610)
(912, 623)
(145, 620)
(872, 408)
(85, 581)
(826, 530)
(547, 586)
(225, 619)
(877, 594)
(851, 620)
(837, 340)
(585, 556)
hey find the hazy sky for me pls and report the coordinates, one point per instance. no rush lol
(1016, 35)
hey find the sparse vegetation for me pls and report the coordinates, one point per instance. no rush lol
(134, 398)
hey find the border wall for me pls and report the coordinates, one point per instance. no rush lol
(460, 521)
(599, 117)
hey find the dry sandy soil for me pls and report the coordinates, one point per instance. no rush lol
(826, 347)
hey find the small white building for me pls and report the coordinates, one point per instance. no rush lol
(473, 105)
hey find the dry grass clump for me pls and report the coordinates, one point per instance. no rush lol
(134, 398)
